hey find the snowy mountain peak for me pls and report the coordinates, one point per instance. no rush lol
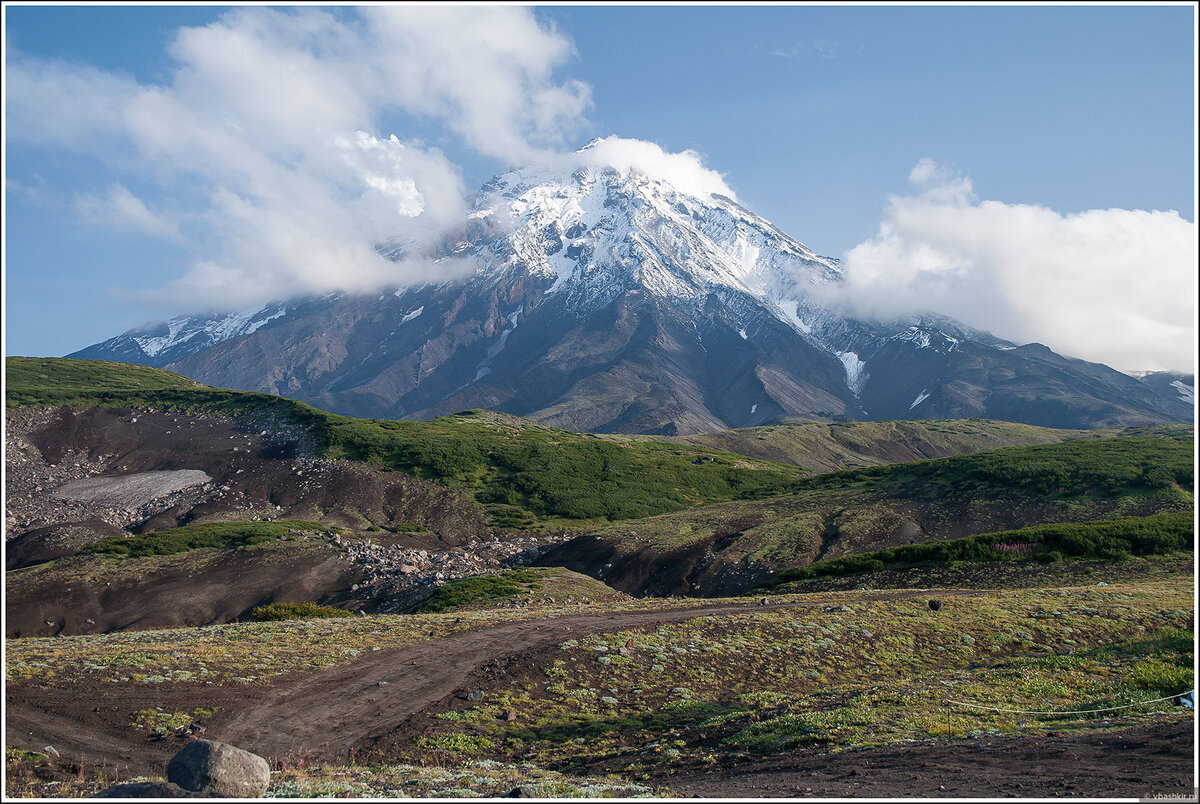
(598, 230)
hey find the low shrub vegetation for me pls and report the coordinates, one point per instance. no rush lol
(273, 612)
(482, 587)
(211, 536)
(1102, 467)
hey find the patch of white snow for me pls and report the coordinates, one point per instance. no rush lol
(856, 377)
(921, 397)
(1186, 392)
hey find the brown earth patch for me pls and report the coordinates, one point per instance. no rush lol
(1133, 762)
(97, 594)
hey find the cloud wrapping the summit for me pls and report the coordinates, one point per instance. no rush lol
(685, 171)
(1116, 286)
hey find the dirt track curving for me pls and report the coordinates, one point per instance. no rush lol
(328, 712)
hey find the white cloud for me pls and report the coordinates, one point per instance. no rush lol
(275, 119)
(122, 209)
(1115, 286)
(684, 170)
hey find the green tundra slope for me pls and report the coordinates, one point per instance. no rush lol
(727, 548)
(529, 474)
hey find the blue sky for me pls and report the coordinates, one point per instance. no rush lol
(1055, 122)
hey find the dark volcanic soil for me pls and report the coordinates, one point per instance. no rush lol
(1132, 763)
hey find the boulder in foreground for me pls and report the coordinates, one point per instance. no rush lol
(219, 770)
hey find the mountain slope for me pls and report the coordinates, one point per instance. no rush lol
(612, 301)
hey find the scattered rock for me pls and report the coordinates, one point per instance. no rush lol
(935, 605)
(219, 770)
(520, 792)
(146, 790)
(509, 716)
(50, 751)
(475, 695)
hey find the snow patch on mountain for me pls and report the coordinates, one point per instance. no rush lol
(936, 340)
(410, 316)
(514, 319)
(185, 328)
(921, 397)
(856, 376)
(1186, 392)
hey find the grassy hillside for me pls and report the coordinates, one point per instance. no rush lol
(720, 549)
(824, 447)
(528, 473)
(518, 588)
(517, 467)
(1117, 539)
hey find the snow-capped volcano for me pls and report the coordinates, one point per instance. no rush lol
(601, 232)
(611, 299)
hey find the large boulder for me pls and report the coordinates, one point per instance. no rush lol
(219, 770)
(156, 790)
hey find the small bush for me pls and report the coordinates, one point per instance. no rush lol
(481, 587)
(273, 612)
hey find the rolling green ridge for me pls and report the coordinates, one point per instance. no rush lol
(1107, 467)
(825, 447)
(526, 472)
(1158, 534)
(504, 460)
(717, 547)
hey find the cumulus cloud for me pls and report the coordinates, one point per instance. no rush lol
(1115, 286)
(276, 121)
(684, 170)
